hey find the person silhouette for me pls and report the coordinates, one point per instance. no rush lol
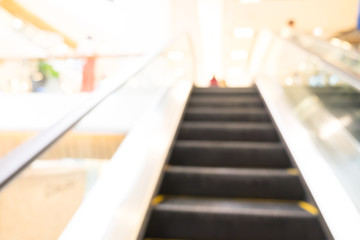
(213, 82)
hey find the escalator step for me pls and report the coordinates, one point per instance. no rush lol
(229, 154)
(230, 182)
(221, 114)
(247, 101)
(221, 91)
(196, 218)
(230, 177)
(225, 131)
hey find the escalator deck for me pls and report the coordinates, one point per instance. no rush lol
(230, 177)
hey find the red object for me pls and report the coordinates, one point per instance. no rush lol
(88, 83)
(213, 82)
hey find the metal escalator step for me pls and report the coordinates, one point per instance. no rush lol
(232, 182)
(225, 219)
(216, 101)
(229, 154)
(220, 114)
(230, 176)
(228, 131)
(221, 91)
(331, 90)
(341, 102)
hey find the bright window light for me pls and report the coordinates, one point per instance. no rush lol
(332, 127)
(289, 81)
(17, 23)
(333, 80)
(176, 55)
(179, 72)
(243, 32)
(346, 45)
(335, 42)
(235, 72)
(238, 55)
(318, 31)
(302, 66)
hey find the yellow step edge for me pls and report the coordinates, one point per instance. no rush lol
(233, 198)
(158, 199)
(308, 207)
(293, 171)
(302, 204)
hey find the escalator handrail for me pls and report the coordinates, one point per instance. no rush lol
(347, 74)
(20, 157)
(350, 52)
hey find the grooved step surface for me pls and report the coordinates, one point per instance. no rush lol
(232, 219)
(226, 131)
(228, 182)
(226, 91)
(220, 114)
(249, 101)
(230, 177)
(229, 154)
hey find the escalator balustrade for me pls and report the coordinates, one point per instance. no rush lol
(230, 177)
(343, 102)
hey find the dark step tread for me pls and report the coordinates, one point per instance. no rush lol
(227, 219)
(231, 171)
(229, 144)
(232, 182)
(269, 207)
(227, 125)
(226, 115)
(226, 101)
(253, 110)
(229, 154)
(225, 90)
(217, 99)
(228, 131)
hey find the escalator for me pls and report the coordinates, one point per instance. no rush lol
(229, 176)
(343, 102)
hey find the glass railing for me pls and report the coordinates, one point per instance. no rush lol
(335, 51)
(316, 107)
(43, 90)
(63, 75)
(45, 179)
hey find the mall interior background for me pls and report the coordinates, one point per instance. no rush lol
(45, 45)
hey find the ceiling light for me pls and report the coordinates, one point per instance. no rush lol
(243, 32)
(238, 55)
(289, 81)
(235, 72)
(335, 42)
(302, 66)
(176, 55)
(17, 23)
(318, 31)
